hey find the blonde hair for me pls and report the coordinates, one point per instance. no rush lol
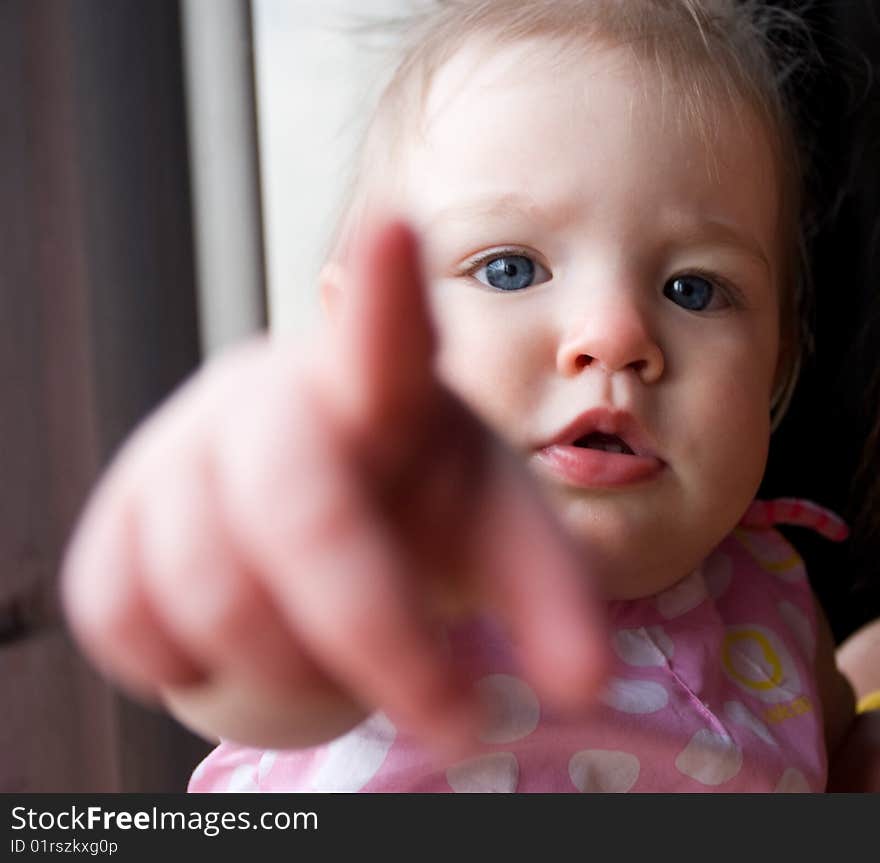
(718, 55)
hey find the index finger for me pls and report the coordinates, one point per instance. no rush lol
(383, 353)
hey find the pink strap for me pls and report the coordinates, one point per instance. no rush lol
(792, 510)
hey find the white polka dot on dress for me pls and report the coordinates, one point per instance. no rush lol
(198, 773)
(682, 597)
(514, 709)
(799, 625)
(643, 647)
(773, 554)
(756, 659)
(792, 782)
(496, 773)
(662, 640)
(603, 770)
(710, 758)
(634, 696)
(267, 761)
(741, 715)
(352, 760)
(243, 779)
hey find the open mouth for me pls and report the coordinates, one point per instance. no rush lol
(590, 452)
(604, 442)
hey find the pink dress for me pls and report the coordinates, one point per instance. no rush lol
(712, 689)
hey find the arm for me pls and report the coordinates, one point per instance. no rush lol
(855, 765)
(272, 552)
(859, 659)
(835, 691)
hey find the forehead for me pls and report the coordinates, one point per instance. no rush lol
(577, 131)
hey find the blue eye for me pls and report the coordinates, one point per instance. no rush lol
(508, 272)
(693, 293)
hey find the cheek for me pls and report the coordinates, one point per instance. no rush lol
(492, 357)
(731, 410)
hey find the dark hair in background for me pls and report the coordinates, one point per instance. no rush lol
(826, 448)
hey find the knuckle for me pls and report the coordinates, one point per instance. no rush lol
(328, 522)
(230, 614)
(108, 620)
(385, 639)
(173, 541)
(364, 630)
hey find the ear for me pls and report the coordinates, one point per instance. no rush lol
(331, 282)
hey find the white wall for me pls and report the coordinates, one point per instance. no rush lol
(315, 81)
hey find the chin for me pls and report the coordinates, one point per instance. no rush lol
(607, 520)
(634, 551)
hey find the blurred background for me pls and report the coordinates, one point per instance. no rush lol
(170, 174)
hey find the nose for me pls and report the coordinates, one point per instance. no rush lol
(613, 338)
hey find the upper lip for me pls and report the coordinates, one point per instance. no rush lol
(606, 421)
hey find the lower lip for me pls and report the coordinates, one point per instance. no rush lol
(594, 468)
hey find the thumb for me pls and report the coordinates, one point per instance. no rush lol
(384, 356)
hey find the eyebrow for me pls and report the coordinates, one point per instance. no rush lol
(723, 234)
(683, 230)
(500, 205)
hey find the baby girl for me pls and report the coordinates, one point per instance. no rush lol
(497, 528)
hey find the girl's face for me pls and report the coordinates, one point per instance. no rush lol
(603, 278)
